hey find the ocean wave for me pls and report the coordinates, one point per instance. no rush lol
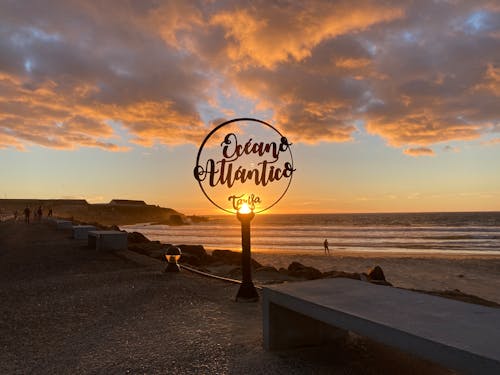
(425, 232)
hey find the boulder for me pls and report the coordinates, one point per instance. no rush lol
(231, 257)
(197, 250)
(297, 269)
(136, 237)
(283, 271)
(191, 259)
(376, 273)
(266, 269)
(376, 276)
(194, 255)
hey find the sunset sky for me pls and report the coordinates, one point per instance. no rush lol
(390, 105)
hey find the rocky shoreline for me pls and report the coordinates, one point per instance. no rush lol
(227, 263)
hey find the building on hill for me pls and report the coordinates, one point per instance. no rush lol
(127, 202)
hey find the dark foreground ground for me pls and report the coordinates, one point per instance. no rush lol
(66, 309)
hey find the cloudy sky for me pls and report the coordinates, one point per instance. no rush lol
(390, 105)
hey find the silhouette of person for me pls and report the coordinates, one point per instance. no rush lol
(325, 245)
(50, 213)
(39, 213)
(27, 213)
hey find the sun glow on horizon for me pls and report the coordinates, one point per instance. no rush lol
(244, 209)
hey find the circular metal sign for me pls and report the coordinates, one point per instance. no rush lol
(244, 161)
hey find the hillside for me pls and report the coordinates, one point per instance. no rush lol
(122, 213)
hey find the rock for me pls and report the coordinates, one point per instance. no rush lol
(194, 255)
(295, 266)
(376, 273)
(297, 269)
(191, 259)
(136, 237)
(270, 275)
(283, 271)
(376, 276)
(115, 227)
(266, 269)
(231, 257)
(176, 220)
(197, 250)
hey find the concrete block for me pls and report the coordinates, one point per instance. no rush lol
(80, 232)
(107, 240)
(455, 334)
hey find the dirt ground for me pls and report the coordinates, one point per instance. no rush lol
(67, 309)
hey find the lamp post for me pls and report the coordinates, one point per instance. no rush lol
(172, 255)
(247, 291)
(236, 176)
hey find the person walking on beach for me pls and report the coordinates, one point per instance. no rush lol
(39, 213)
(50, 212)
(27, 213)
(325, 245)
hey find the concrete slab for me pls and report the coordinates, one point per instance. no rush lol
(80, 232)
(107, 240)
(455, 334)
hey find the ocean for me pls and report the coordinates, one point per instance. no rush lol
(465, 232)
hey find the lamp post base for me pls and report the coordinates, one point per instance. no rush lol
(247, 293)
(172, 267)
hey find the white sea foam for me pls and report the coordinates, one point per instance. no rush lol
(421, 232)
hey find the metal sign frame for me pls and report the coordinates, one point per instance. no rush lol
(216, 129)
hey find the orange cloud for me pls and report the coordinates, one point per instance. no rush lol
(419, 151)
(421, 130)
(492, 142)
(491, 80)
(414, 74)
(266, 34)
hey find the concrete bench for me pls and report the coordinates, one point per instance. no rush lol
(107, 240)
(80, 232)
(457, 335)
(64, 224)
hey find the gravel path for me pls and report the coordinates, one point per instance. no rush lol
(66, 309)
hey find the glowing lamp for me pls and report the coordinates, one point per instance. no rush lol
(244, 209)
(172, 256)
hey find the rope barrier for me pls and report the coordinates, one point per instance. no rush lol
(206, 274)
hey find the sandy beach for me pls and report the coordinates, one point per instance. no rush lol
(68, 309)
(472, 274)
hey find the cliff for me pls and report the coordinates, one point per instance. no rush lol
(118, 212)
